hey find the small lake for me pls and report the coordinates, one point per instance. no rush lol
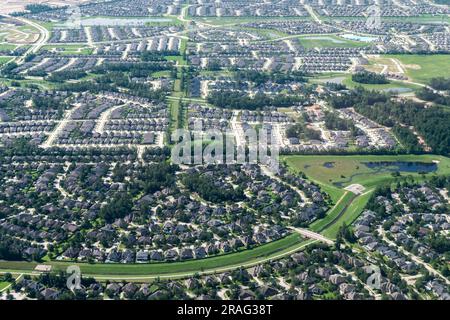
(328, 165)
(355, 37)
(402, 166)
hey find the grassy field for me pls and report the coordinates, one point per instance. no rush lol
(249, 257)
(266, 33)
(3, 285)
(345, 78)
(399, 86)
(334, 213)
(6, 46)
(422, 19)
(426, 18)
(4, 60)
(422, 68)
(162, 74)
(325, 41)
(345, 170)
(333, 173)
(43, 84)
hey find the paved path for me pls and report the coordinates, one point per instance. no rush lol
(43, 38)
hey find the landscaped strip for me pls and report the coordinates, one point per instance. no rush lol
(221, 263)
(334, 214)
(351, 213)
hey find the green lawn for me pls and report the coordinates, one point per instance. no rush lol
(334, 213)
(393, 85)
(266, 33)
(6, 46)
(333, 173)
(426, 18)
(174, 107)
(354, 209)
(4, 60)
(3, 285)
(329, 40)
(271, 250)
(422, 68)
(161, 74)
(346, 170)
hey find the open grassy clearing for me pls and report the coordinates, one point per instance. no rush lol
(7, 47)
(271, 250)
(4, 60)
(43, 84)
(333, 173)
(161, 74)
(47, 25)
(3, 285)
(174, 107)
(426, 18)
(341, 171)
(346, 79)
(394, 85)
(266, 33)
(329, 40)
(422, 68)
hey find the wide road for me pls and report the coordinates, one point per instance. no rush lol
(44, 36)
